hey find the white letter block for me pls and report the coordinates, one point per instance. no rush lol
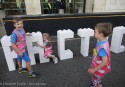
(36, 37)
(117, 36)
(85, 36)
(61, 36)
(9, 54)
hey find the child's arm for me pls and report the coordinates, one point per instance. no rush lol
(104, 62)
(28, 34)
(16, 49)
(40, 45)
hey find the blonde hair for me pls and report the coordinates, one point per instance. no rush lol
(46, 35)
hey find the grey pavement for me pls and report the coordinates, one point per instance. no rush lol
(66, 73)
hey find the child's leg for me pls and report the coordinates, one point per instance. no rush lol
(19, 61)
(27, 60)
(99, 85)
(20, 64)
(20, 69)
(28, 65)
(51, 56)
(55, 59)
(96, 80)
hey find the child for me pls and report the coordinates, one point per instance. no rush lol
(18, 41)
(48, 52)
(101, 63)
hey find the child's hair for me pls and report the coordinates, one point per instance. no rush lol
(46, 35)
(105, 28)
(16, 19)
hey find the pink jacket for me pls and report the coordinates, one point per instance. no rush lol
(48, 48)
(96, 60)
(21, 41)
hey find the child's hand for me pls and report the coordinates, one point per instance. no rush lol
(20, 54)
(28, 34)
(91, 70)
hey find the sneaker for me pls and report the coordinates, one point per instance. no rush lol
(33, 75)
(22, 70)
(91, 85)
(56, 60)
(100, 85)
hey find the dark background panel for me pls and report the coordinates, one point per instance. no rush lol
(49, 26)
(91, 22)
(52, 23)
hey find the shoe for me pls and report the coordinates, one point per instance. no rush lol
(91, 85)
(33, 75)
(22, 70)
(56, 60)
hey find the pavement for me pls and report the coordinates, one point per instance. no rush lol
(67, 73)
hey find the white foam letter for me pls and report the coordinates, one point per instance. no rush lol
(61, 36)
(85, 36)
(8, 52)
(31, 40)
(117, 36)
